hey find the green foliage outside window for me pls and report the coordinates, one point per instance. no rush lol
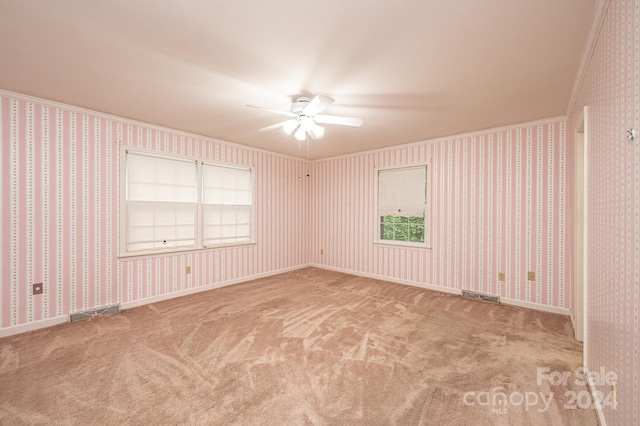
(402, 228)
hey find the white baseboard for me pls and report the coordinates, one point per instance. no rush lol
(506, 301)
(592, 390)
(31, 326)
(536, 306)
(23, 328)
(389, 279)
(154, 299)
(575, 334)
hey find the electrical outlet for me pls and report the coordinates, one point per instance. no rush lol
(614, 397)
(501, 276)
(37, 288)
(187, 269)
(531, 276)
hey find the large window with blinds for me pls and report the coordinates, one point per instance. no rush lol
(402, 206)
(172, 204)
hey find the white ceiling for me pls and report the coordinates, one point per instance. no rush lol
(413, 70)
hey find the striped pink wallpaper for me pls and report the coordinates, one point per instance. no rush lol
(60, 203)
(500, 203)
(611, 90)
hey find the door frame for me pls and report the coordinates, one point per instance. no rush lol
(580, 226)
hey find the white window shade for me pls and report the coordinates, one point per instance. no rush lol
(227, 205)
(402, 192)
(161, 203)
(152, 178)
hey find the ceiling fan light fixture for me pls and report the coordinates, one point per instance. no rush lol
(305, 116)
(317, 131)
(310, 126)
(307, 123)
(290, 126)
(300, 134)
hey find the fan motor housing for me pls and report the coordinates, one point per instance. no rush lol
(298, 106)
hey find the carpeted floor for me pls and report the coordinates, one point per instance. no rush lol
(307, 347)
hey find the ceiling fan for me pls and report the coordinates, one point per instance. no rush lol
(305, 116)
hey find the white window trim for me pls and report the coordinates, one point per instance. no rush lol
(123, 253)
(427, 210)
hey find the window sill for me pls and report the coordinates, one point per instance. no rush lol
(152, 254)
(401, 244)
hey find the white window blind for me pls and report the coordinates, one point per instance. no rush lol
(227, 205)
(402, 192)
(161, 202)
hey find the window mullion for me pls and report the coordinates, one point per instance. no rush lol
(199, 207)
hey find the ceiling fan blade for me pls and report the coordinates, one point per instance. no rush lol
(287, 113)
(316, 132)
(310, 126)
(343, 121)
(278, 125)
(317, 104)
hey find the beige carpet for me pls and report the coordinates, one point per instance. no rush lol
(307, 347)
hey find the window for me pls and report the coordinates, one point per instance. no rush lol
(402, 206)
(173, 204)
(227, 204)
(161, 203)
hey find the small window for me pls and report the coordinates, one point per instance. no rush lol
(402, 206)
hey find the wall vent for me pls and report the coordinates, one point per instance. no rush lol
(480, 296)
(93, 313)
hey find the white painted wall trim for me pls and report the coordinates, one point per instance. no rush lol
(598, 17)
(32, 326)
(550, 120)
(36, 325)
(23, 328)
(536, 306)
(503, 300)
(106, 116)
(585, 239)
(2, 218)
(154, 299)
(388, 279)
(592, 390)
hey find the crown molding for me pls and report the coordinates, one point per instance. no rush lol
(596, 24)
(86, 111)
(480, 132)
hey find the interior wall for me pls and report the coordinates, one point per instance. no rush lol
(501, 202)
(493, 193)
(60, 203)
(610, 89)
